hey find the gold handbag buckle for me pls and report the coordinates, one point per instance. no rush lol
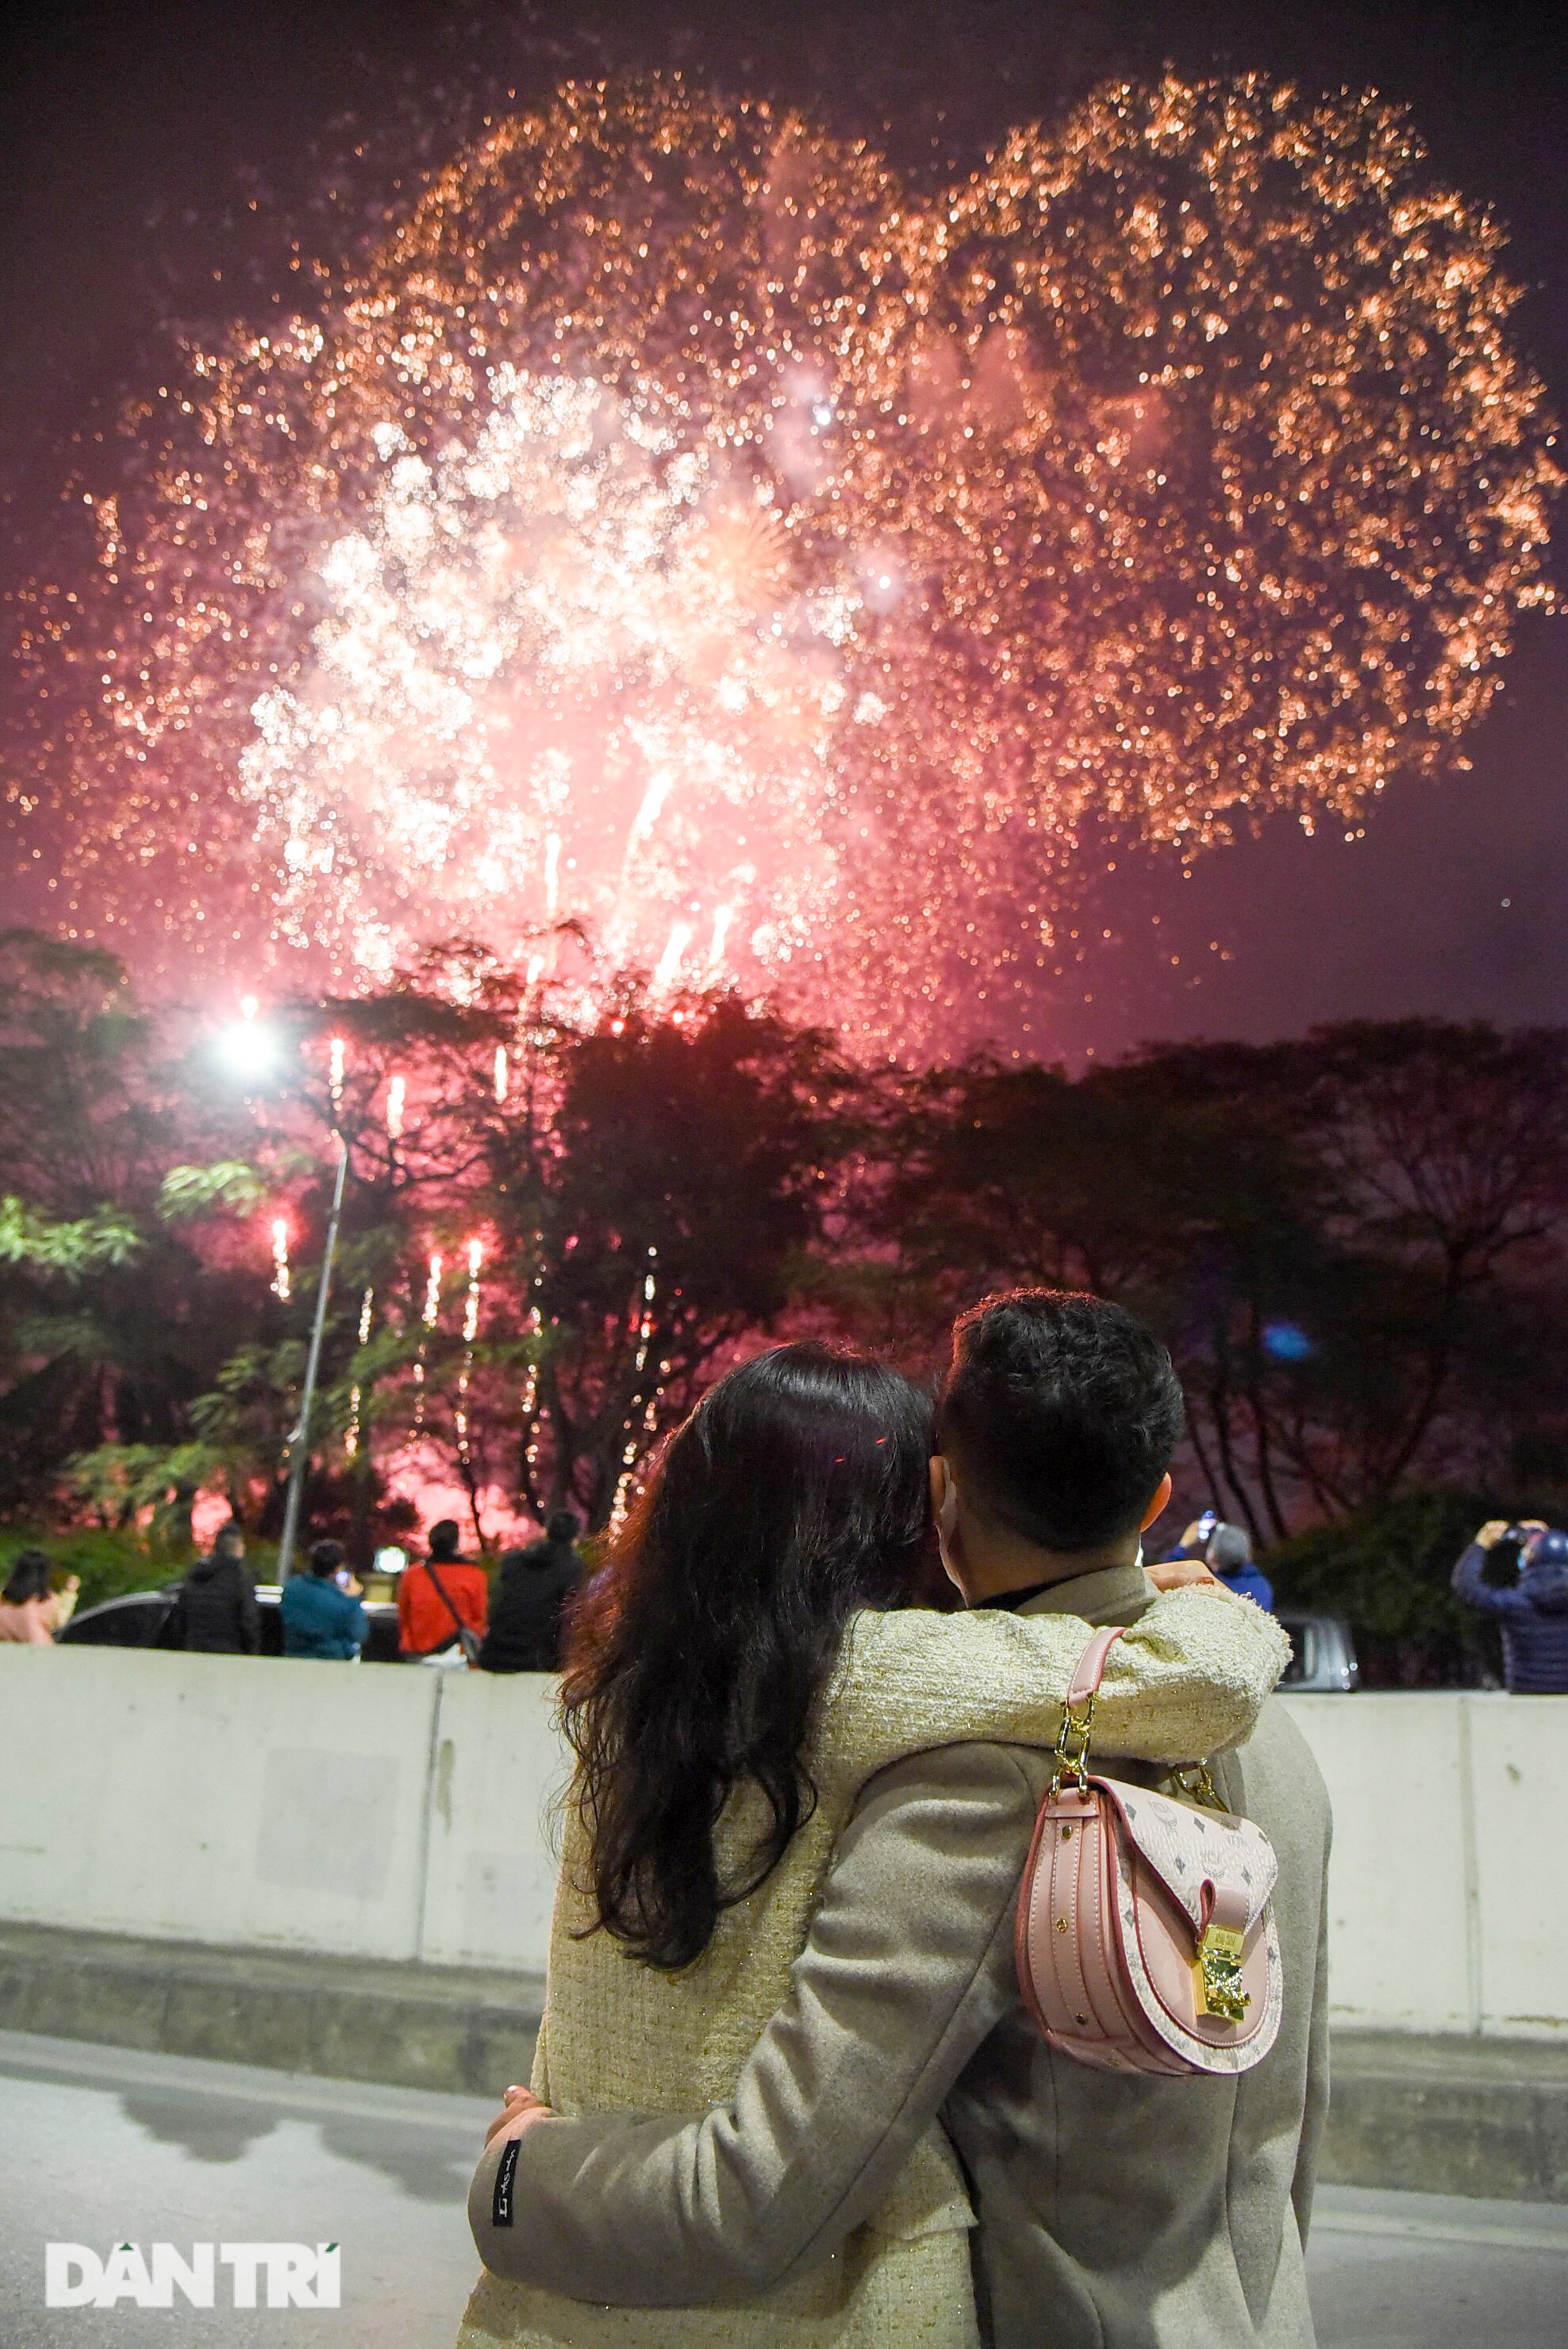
(1217, 1973)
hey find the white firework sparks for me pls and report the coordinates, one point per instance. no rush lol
(557, 673)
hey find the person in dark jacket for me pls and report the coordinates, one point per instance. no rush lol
(322, 1617)
(1534, 1615)
(528, 1618)
(215, 1612)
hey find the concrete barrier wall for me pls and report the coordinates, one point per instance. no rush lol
(216, 1798)
(500, 1767)
(1448, 1890)
(400, 1814)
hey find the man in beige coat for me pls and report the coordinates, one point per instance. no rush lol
(1112, 2213)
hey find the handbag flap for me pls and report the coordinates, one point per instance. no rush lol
(1191, 1850)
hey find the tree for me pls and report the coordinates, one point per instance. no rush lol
(657, 1209)
(1448, 1143)
(1350, 1242)
(105, 1340)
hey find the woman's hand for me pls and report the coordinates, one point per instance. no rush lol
(522, 2108)
(1180, 1574)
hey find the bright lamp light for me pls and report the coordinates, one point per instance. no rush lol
(248, 1045)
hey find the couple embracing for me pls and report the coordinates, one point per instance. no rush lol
(786, 2091)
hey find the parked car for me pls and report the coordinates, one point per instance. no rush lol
(1322, 1655)
(137, 1621)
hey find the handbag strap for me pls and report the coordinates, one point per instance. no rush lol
(445, 1596)
(1089, 1670)
(1070, 1752)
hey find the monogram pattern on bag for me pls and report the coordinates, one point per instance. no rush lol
(1188, 1847)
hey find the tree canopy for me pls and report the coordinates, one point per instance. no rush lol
(565, 1214)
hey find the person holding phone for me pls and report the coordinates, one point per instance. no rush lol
(1534, 1615)
(321, 1609)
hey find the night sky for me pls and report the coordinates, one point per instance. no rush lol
(156, 160)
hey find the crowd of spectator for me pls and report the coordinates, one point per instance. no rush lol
(451, 1615)
(445, 1615)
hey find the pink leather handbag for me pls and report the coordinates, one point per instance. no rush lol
(1145, 1940)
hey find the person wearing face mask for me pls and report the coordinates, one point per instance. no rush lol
(1110, 2213)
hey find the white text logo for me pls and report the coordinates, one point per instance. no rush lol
(261, 2275)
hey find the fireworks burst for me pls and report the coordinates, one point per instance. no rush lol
(545, 683)
(685, 529)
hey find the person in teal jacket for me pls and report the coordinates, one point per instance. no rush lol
(320, 1616)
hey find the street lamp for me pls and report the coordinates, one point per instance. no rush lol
(299, 1440)
(250, 1047)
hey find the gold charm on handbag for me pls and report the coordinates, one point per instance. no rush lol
(1217, 1975)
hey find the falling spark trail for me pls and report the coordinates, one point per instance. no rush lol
(721, 923)
(432, 1308)
(471, 1332)
(351, 1434)
(280, 1282)
(643, 1420)
(669, 963)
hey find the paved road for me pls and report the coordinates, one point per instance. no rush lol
(99, 2145)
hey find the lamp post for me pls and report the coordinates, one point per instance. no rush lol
(299, 1441)
(251, 1047)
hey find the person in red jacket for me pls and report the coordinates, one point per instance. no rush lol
(444, 1604)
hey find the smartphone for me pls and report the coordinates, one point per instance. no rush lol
(1206, 1524)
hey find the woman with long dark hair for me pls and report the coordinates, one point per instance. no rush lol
(31, 1612)
(748, 1662)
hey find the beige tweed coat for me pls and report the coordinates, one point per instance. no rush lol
(619, 2036)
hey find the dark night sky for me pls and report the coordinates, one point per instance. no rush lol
(133, 137)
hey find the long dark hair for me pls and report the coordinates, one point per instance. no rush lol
(795, 1494)
(28, 1578)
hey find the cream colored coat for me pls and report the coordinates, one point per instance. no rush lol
(618, 2037)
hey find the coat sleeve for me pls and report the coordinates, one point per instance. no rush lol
(1315, 2114)
(1188, 1680)
(889, 1999)
(1505, 1606)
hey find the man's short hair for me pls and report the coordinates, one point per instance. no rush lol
(230, 1534)
(562, 1526)
(1230, 1547)
(1061, 1413)
(444, 1538)
(327, 1556)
